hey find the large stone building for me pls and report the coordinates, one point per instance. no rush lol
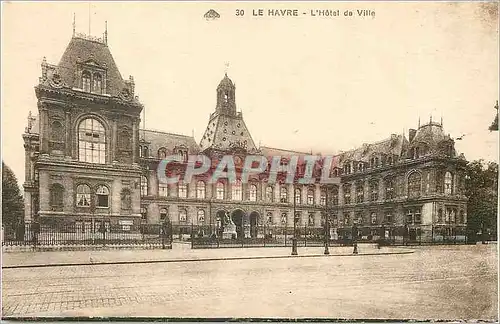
(87, 159)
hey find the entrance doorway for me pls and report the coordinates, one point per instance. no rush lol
(237, 217)
(254, 216)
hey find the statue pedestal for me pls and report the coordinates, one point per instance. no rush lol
(229, 231)
(246, 231)
(334, 236)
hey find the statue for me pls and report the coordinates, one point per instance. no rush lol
(229, 227)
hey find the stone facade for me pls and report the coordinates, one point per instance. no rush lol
(87, 133)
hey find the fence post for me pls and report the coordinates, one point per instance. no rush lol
(192, 236)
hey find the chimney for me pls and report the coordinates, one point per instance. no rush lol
(411, 134)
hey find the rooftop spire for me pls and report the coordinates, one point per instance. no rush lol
(74, 24)
(106, 32)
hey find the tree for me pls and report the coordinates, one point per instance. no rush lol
(12, 200)
(494, 125)
(481, 188)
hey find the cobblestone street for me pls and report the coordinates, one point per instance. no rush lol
(447, 282)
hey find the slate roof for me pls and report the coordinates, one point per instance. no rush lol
(83, 50)
(431, 133)
(272, 151)
(169, 141)
(394, 145)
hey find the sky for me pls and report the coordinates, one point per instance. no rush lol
(320, 84)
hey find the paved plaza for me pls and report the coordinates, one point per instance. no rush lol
(445, 282)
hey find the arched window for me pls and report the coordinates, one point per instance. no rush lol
(389, 188)
(83, 195)
(390, 160)
(144, 186)
(283, 194)
(126, 199)
(269, 218)
(56, 195)
(252, 192)
(414, 185)
(163, 214)
(162, 153)
(361, 167)
(237, 192)
(163, 189)
(145, 151)
(347, 168)
(284, 218)
(141, 153)
(310, 197)
(102, 193)
(360, 192)
(336, 172)
(91, 141)
(311, 219)
(448, 183)
(269, 194)
(201, 216)
(373, 217)
(200, 190)
(298, 196)
(182, 215)
(322, 198)
(347, 194)
(97, 83)
(86, 81)
(182, 190)
(219, 191)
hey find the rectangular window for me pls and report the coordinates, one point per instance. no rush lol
(409, 216)
(182, 190)
(418, 219)
(163, 190)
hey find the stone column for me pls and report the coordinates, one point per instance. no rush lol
(135, 134)
(44, 130)
(317, 194)
(152, 183)
(67, 140)
(113, 140)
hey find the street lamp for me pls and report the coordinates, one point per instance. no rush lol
(327, 224)
(295, 219)
(355, 239)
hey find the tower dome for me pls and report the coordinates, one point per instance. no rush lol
(225, 84)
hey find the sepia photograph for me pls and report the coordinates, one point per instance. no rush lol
(250, 161)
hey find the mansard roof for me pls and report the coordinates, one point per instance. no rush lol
(394, 145)
(272, 151)
(431, 133)
(168, 141)
(227, 132)
(83, 50)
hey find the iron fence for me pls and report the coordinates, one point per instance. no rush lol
(88, 234)
(206, 236)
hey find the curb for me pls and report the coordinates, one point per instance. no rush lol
(201, 260)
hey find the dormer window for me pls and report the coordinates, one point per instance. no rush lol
(93, 79)
(97, 83)
(86, 76)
